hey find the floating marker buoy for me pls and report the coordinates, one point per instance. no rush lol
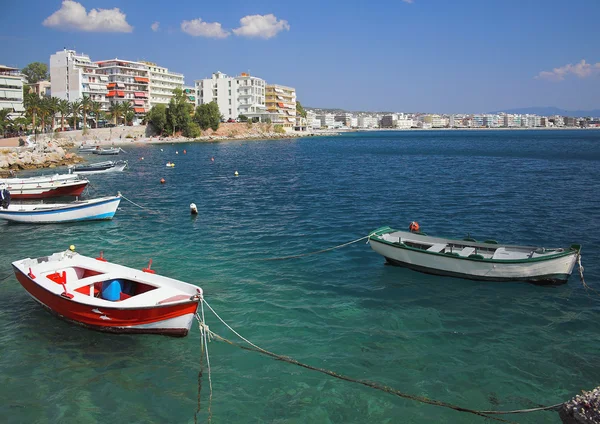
(212, 159)
(193, 209)
(162, 180)
(236, 173)
(176, 152)
(142, 158)
(161, 150)
(72, 248)
(184, 152)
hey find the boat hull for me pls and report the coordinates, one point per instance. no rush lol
(116, 168)
(46, 190)
(171, 320)
(100, 210)
(550, 271)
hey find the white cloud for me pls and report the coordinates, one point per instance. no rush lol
(197, 28)
(261, 26)
(580, 70)
(155, 26)
(73, 16)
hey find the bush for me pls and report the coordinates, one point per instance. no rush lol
(243, 118)
(193, 130)
(279, 129)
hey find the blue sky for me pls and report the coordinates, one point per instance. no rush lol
(441, 56)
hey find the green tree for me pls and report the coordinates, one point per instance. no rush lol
(35, 72)
(63, 107)
(158, 117)
(179, 112)
(127, 110)
(32, 104)
(5, 121)
(75, 109)
(86, 104)
(115, 112)
(96, 110)
(208, 116)
(300, 110)
(129, 117)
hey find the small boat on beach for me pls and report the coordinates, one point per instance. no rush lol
(487, 261)
(100, 167)
(44, 186)
(101, 208)
(109, 297)
(108, 151)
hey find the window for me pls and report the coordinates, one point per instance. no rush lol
(230, 92)
(229, 101)
(230, 83)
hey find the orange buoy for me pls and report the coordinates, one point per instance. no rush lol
(162, 180)
(184, 152)
(414, 226)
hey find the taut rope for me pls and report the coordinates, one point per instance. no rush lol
(316, 252)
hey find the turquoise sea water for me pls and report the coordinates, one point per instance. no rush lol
(479, 345)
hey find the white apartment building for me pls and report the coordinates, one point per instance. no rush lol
(162, 83)
(327, 120)
(367, 121)
(280, 102)
(73, 75)
(235, 96)
(127, 82)
(11, 90)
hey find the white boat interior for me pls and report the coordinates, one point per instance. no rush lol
(466, 249)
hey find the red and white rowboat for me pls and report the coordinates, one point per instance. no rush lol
(108, 297)
(44, 186)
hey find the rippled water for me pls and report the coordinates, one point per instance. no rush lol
(478, 345)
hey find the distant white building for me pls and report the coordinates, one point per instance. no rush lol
(162, 83)
(235, 96)
(327, 120)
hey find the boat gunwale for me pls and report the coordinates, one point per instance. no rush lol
(47, 208)
(381, 231)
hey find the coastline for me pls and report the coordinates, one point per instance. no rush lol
(58, 149)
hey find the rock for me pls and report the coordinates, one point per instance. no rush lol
(582, 409)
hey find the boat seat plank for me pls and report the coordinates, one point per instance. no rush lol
(466, 251)
(437, 247)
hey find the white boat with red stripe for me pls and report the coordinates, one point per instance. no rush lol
(109, 297)
(44, 186)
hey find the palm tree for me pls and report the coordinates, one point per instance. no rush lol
(75, 108)
(4, 119)
(52, 106)
(116, 111)
(86, 103)
(32, 106)
(96, 109)
(125, 109)
(63, 107)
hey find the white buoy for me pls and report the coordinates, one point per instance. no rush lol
(236, 173)
(176, 152)
(193, 209)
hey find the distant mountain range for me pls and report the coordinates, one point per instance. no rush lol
(551, 110)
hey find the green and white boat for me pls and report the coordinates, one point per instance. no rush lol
(474, 260)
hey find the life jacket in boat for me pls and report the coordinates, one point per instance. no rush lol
(4, 198)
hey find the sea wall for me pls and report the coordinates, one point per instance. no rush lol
(45, 153)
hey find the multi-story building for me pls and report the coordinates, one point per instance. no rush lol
(11, 90)
(73, 75)
(162, 83)
(127, 82)
(190, 93)
(235, 96)
(280, 102)
(41, 88)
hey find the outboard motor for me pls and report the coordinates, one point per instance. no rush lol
(4, 198)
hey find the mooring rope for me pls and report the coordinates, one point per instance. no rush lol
(205, 337)
(139, 206)
(581, 276)
(316, 252)
(387, 389)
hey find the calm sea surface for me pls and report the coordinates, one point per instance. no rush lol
(479, 345)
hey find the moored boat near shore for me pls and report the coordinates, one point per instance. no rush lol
(108, 297)
(102, 208)
(44, 186)
(472, 260)
(100, 167)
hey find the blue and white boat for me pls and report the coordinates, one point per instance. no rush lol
(101, 208)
